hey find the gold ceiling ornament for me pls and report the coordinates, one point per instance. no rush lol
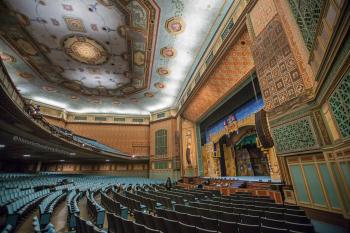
(116, 102)
(159, 85)
(149, 94)
(22, 19)
(168, 52)
(7, 58)
(25, 75)
(135, 100)
(48, 88)
(175, 25)
(73, 85)
(139, 58)
(162, 71)
(74, 98)
(106, 3)
(26, 47)
(85, 49)
(122, 30)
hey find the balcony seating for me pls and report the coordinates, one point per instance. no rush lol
(38, 228)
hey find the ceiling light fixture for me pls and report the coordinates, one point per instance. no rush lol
(62, 160)
(107, 160)
(72, 153)
(2, 146)
(26, 155)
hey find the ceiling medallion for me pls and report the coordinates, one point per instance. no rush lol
(49, 89)
(159, 85)
(139, 58)
(175, 25)
(149, 94)
(7, 58)
(85, 50)
(162, 71)
(74, 98)
(116, 102)
(24, 75)
(168, 52)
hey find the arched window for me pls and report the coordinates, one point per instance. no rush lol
(161, 143)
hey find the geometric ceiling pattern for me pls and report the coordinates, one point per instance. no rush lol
(106, 56)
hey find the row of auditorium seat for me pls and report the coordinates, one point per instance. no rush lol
(47, 205)
(132, 204)
(150, 203)
(113, 206)
(39, 228)
(73, 209)
(225, 219)
(95, 210)
(165, 201)
(84, 226)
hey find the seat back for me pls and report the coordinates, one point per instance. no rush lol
(248, 228)
(228, 227)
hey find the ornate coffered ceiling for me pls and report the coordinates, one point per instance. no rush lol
(122, 56)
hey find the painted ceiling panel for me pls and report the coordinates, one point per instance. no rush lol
(111, 56)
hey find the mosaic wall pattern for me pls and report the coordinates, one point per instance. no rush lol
(339, 102)
(279, 77)
(307, 14)
(295, 136)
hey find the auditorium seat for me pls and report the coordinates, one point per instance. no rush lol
(127, 226)
(227, 227)
(266, 229)
(209, 223)
(201, 230)
(138, 228)
(171, 226)
(250, 219)
(185, 228)
(159, 223)
(148, 220)
(273, 223)
(248, 228)
(149, 230)
(299, 227)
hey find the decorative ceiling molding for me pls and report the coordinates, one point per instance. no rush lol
(111, 56)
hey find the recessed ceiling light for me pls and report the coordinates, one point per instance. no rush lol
(107, 160)
(72, 153)
(26, 155)
(62, 160)
(2, 146)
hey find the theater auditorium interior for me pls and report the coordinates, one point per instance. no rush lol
(174, 116)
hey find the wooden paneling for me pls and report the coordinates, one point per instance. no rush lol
(132, 139)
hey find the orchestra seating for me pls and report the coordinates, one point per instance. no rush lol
(139, 205)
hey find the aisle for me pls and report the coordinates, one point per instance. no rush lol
(59, 217)
(82, 204)
(26, 225)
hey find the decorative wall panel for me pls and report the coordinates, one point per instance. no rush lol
(307, 14)
(295, 136)
(279, 77)
(262, 13)
(339, 102)
(233, 67)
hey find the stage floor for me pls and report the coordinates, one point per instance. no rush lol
(249, 178)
